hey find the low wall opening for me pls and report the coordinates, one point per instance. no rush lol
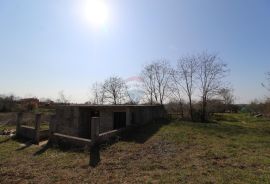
(32, 126)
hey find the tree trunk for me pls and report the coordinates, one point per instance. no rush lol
(151, 99)
(181, 109)
(203, 116)
(190, 109)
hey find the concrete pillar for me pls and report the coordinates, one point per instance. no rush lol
(94, 149)
(52, 124)
(19, 122)
(37, 128)
(52, 128)
(94, 128)
(94, 155)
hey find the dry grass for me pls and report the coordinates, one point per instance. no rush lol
(236, 149)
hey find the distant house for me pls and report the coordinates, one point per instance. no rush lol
(29, 103)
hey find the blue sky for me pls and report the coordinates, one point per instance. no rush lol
(46, 46)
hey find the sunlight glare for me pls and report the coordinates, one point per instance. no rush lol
(95, 12)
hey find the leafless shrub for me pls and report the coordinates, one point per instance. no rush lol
(62, 98)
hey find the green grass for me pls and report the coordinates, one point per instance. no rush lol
(3, 127)
(235, 148)
(44, 125)
(5, 119)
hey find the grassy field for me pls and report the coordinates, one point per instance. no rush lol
(234, 149)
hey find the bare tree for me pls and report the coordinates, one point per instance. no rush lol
(176, 96)
(162, 71)
(185, 76)
(98, 93)
(7, 103)
(156, 78)
(115, 90)
(268, 79)
(149, 85)
(211, 73)
(267, 86)
(227, 96)
(62, 98)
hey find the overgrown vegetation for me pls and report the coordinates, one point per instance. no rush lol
(257, 107)
(7, 103)
(235, 148)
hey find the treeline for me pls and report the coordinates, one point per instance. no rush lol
(10, 103)
(201, 75)
(7, 103)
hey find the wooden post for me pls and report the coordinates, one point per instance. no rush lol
(19, 121)
(94, 149)
(37, 128)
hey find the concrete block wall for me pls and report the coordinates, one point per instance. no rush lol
(107, 117)
(33, 133)
(27, 132)
(106, 121)
(69, 119)
(146, 114)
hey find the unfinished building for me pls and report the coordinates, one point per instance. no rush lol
(74, 121)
